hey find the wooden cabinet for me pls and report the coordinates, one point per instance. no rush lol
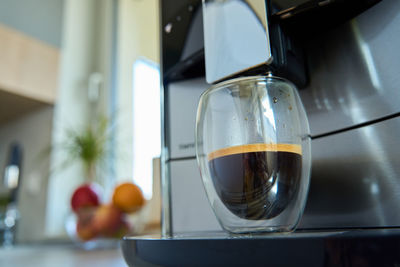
(28, 73)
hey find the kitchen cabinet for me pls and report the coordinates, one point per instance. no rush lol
(28, 73)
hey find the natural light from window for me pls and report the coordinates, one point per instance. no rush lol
(146, 123)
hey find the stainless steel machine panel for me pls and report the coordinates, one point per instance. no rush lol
(356, 178)
(191, 210)
(354, 71)
(355, 183)
(183, 98)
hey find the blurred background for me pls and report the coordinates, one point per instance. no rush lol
(67, 66)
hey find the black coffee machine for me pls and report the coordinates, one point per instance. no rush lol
(343, 56)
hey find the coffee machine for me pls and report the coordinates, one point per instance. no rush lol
(342, 55)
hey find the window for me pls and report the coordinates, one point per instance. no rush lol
(146, 123)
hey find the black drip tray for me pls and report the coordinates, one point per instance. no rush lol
(372, 247)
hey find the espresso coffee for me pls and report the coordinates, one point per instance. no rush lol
(256, 181)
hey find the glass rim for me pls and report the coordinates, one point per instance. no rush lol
(237, 80)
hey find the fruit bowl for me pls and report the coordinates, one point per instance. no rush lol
(96, 228)
(93, 224)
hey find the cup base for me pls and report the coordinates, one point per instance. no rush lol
(261, 230)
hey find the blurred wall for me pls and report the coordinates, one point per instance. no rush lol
(40, 19)
(33, 133)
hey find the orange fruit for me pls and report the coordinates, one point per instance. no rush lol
(128, 197)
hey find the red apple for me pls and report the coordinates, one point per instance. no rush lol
(106, 219)
(86, 195)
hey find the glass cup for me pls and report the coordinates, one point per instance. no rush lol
(253, 150)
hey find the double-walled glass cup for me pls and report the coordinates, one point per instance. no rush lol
(253, 150)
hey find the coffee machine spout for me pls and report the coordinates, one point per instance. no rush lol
(241, 39)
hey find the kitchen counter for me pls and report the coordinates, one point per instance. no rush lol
(51, 255)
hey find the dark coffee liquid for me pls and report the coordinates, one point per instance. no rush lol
(256, 181)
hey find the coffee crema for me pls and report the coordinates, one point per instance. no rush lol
(256, 181)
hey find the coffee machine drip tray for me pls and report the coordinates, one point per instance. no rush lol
(366, 247)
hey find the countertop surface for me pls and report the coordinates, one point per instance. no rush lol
(55, 255)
